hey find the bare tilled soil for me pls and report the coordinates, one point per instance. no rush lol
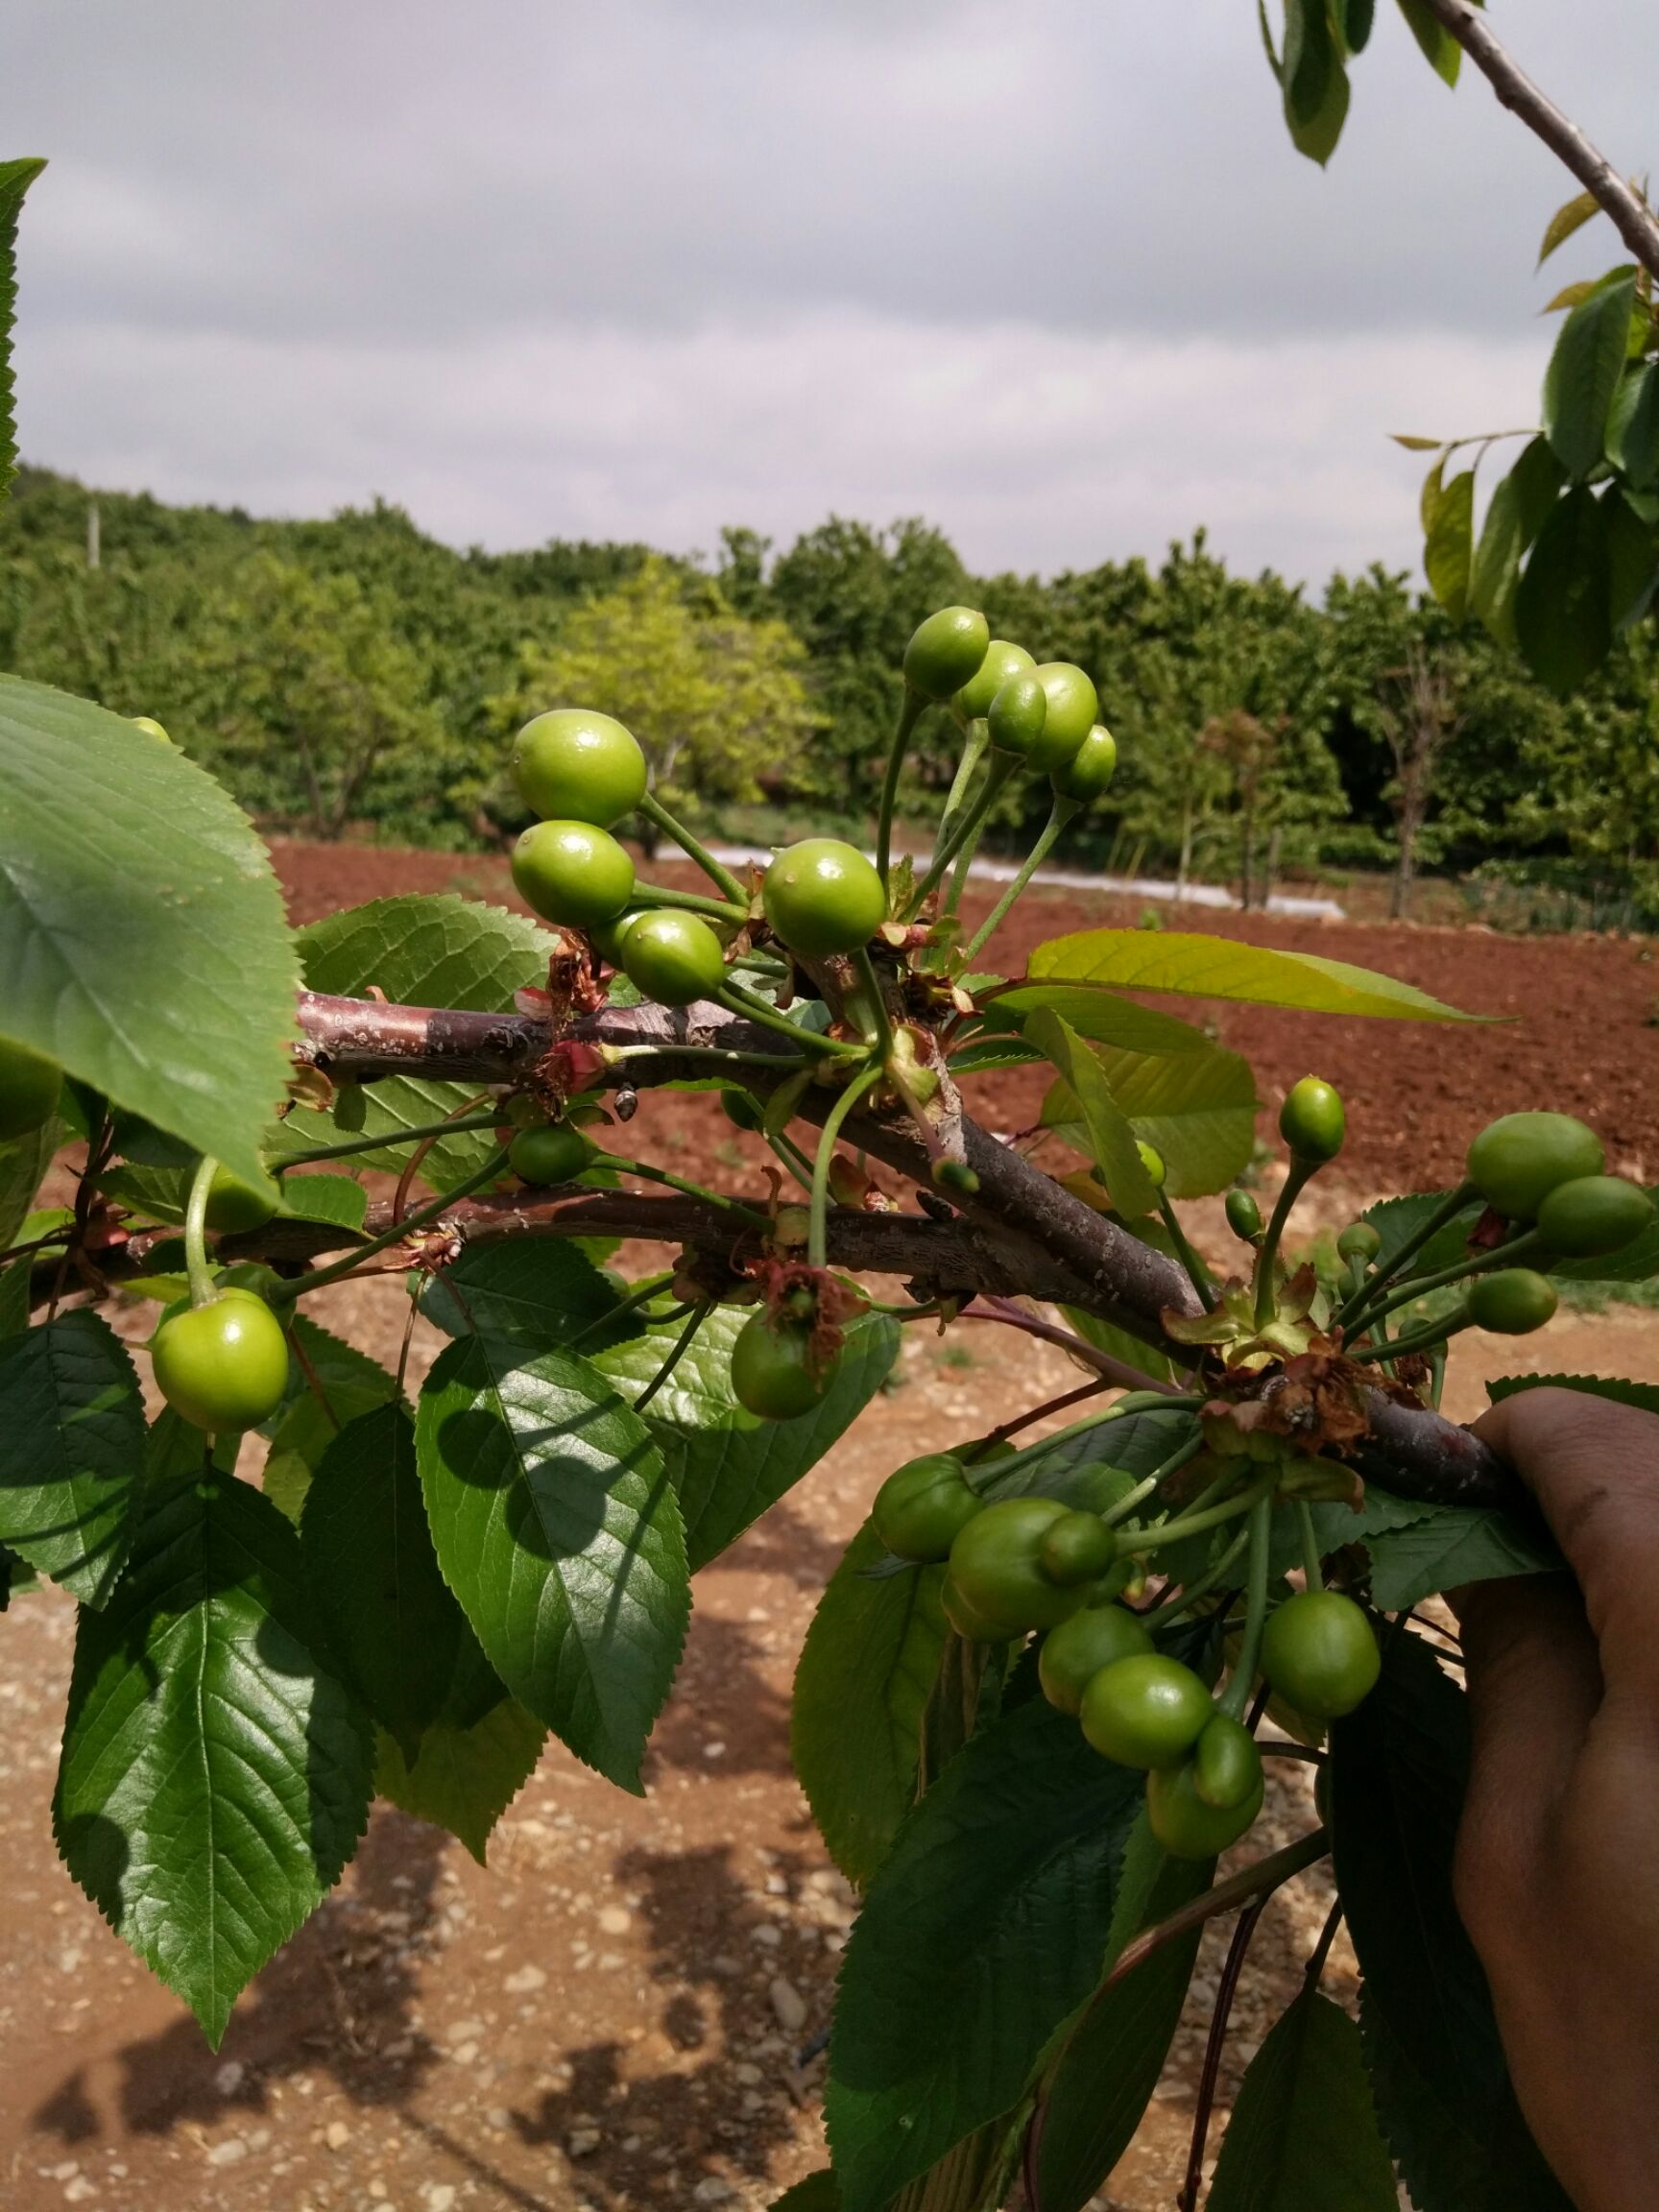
(613, 2015)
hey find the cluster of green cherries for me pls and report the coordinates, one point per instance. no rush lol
(1019, 1566)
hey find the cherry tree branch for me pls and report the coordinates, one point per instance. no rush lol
(1019, 1234)
(1517, 92)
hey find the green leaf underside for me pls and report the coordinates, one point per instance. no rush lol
(423, 949)
(1099, 1014)
(1644, 1395)
(131, 881)
(1111, 1142)
(1118, 1344)
(727, 1466)
(861, 1687)
(467, 1773)
(558, 1529)
(1399, 1769)
(536, 1292)
(1448, 553)
(1303, 2137)
(1197, 1111)
(73, 1461)
(23, 1163)
(215, 1775)
(342, 1384)
(162, 1193)
(1583, 376)
(1515, 514)
(1564, 600)
(393, 1624)
(1103, 2082)
(985, 1927)
(15, 178)
(1448, 1546)
(1200, 967)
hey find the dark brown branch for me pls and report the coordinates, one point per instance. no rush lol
(1022, 1232)
(1517, 92)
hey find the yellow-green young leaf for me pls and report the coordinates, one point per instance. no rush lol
(1198, 1112)
(142, 938)
(1564, 600)
(15, 178)
(1414, 445)
(1441, 50)
(421, 951)
(1303, 2137)
(215, 1773)
(1201, 967)
(1449, 547)
(1101, 1016)
(1429, 498)
(860, 1690)
(1569, 295)
(1571, 216)
(1583, 374)
(1110, 1139)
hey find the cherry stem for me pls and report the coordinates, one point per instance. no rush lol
(976, 737)
(682, 1345)
(1526, 1246)
(1267, 1259)
(817, 1235)
(1170, 1609)
(1061, 812)
(1006, 1429)
(750, 1214)
(1197, 1273)
(739, 1000)
(388, 1143)
(1188, 2199)
(1259, 1880)
(1442, 1217)
(910, 714)
(203, 1290)
(883, 1040)
(1431, 1337)
(1312, 1566)
(1237, 1694)
(434, 1208)
(692, 902)
(654, 810)
(1133, 1543)
(1002, 766)
(411, 1166)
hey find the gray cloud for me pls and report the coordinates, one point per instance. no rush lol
(480, 259)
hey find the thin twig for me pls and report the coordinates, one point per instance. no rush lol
(1188, 2199)
(1261, 1879)
(1517, 92)
(1114, 1371)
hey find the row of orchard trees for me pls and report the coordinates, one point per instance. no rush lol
(354, 672)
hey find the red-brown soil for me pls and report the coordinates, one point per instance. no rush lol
(609, 2018)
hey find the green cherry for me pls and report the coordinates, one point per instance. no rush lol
(1312, 1120)
(221, 1366)
(572, 873)
(1001, 660)
(673, 958)
(1518, 1160)
(946, 650)
(574, 765)
(551, 1152)
(822, 897)
(1090, 769)
(1074, 709)
(1512, 1303)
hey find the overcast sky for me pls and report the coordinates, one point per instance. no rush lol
(1046, 272)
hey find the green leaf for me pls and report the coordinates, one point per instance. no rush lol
(1564, 600)
(1646, 1395)
(1632, 560)
(818, 2193)
(1583, 374)
(342, 1385)
(1303, 2137)
(215, 1774)
(1203, 967)
(860, 1690)
(1399, 1768)
(162, 1195)
(727, 1466)
(1515, 514)
(141, 929)
(73, 1416)
(1448, 549)
(1118, 1344)
(985, 1927)
(1429, 498)
(556, 1527)
(1357, 18)
(1633, 428)
(1099, 1015)
(73, 1420)
(15, 178)
(1098, 2092)
(1571, 216)
(1314, 80)
(1451, 1545)
(1396, 1220)
(537, 1293)
(1197, 1111)
(333, 1198)
(1442, 51)
(1111, 1142)
(393, 1624)
(422, 950)
(469, 1769)
(23, 1164)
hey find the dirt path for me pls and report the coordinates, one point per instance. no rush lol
(606, 2018)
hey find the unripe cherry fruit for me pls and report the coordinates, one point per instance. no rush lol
(1001, 660)
(607, 936)
(1078, 1547)
(1090, 769)
(1512, 1303)
(946, 650)
(1074, 709)
(1243, 1214)
(673, 958)
(1016, 715)
(1184, 1824)
(1152, 1160)
(573, 872)
(822, 897)
(1593, 1215)
(551, 1152)
(1320, 1652)
(235, 1206)
(221, 1366)
(774, 1375)
(1072, 1655)
(924, 1506)
(574, 765)
(1312, 1121)
(1359, 1241)
(29, 1088)
(1519, 1158)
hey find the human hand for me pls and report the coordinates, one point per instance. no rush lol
(1557, 1857)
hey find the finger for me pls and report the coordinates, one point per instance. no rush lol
(1594, 1467)
(1534, 1688)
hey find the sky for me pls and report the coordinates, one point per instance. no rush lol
(1047, 273)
